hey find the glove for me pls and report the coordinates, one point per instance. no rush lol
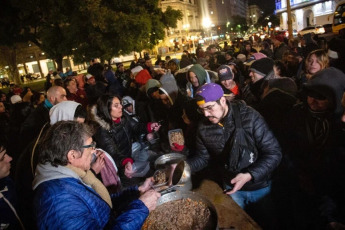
(177, 147)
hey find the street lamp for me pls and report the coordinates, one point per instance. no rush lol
(206, 23)
(269, 26)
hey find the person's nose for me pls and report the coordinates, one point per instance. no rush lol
(206, 113)
(9, 159)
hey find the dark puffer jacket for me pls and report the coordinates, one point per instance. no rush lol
(211, 139)
(117, 139)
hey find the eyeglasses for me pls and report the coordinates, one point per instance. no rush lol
(207, 108)
(92, 146)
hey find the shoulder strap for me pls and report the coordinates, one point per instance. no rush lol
(236, 113)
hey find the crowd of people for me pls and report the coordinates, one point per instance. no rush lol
(266, 123)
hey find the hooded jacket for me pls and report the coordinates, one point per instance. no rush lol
(169, 87)
(64, 111)
(202, 75)
(151, 83)
(63, 201)
(329, 82)
(311, 133)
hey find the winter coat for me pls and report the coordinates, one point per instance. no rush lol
(63, 201)
(8, 200)
(34, 123)
(212, 138)
(117, 139)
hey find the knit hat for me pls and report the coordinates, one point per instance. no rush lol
(136, 70)
(225, 73)
(142, 77)
(209, 92)
(15, 99)
(263, 66)
(254, 57)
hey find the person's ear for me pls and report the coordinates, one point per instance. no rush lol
(71, 156)
(223, 101)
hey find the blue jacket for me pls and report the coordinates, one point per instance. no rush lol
(63, 201)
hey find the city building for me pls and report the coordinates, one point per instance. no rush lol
(306, 12)
(253, 14)
(187, 29)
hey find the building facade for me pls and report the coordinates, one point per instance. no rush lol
(306, 12)
(253, 14)
(189, 8)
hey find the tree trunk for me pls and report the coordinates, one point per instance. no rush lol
(10, 58)
(59, 63)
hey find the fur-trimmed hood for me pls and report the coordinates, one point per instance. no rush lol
(98, 120)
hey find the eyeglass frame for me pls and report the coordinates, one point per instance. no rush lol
(92, 145)
(207, 108)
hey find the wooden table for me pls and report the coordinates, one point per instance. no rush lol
(230, 215)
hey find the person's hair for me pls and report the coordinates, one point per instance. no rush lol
(66, 83)
(35, 98)
(104, 107)
(58, 82)
(80, 112)
(19, 112)
(281, 67)
(322, 58)
(60, 138)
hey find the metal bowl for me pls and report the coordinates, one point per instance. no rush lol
(168, 159)
(178, 195)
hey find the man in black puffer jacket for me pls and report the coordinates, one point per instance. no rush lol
(247, 180)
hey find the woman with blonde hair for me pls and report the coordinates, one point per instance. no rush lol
(316, 60)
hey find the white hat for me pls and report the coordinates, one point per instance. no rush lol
(136, 70)
(15, 99)
(88, 76)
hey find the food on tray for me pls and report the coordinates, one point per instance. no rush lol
(160, 177)
(180, 215)
(176, 137)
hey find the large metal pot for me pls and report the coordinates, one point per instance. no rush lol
(178, 195)
(182, 177)
(168, 159)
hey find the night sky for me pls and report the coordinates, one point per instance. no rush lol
(265, 5)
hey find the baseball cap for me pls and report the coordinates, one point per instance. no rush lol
(225, 73)
(209, 92)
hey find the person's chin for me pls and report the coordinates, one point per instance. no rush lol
(213, 120)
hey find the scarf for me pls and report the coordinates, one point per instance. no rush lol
(89, 178)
